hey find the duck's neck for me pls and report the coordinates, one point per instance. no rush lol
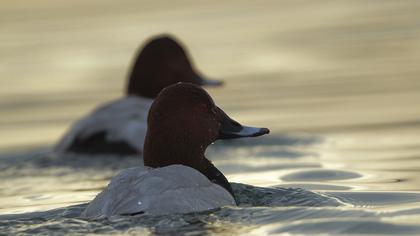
(141, 85)
(157, 153)
(217, 177)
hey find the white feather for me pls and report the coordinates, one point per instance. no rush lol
(122, 120)
(167, 190)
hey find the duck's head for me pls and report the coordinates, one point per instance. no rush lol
(183, 120)
(163, 61)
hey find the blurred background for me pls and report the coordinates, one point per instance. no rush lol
(316, 66)
(344, 73)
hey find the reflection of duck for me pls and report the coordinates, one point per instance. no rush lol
(177, 177)
(120, 126)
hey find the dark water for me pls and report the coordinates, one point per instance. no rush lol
(307, 198)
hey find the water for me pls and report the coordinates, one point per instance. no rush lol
(337, 82)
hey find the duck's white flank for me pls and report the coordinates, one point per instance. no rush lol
(167, 190)
(122, 120)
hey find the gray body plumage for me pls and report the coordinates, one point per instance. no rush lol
(122, 120)
(167, 190)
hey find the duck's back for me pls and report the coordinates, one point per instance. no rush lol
(118, 127)
(167, 190)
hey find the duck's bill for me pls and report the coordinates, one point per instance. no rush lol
(244, 132)
(231, 129)
(209, 82)
(212, 83)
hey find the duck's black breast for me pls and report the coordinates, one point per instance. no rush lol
(98, 144)
(217, 177)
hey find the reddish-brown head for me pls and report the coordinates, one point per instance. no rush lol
(183, 120)
(162, 62)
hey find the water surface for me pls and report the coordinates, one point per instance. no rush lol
(337, 82)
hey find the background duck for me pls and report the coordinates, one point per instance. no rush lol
(119, 127)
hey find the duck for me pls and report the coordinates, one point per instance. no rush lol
(176, 177)
(119, 127)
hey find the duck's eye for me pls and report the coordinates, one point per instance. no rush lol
(214, 110)
(203, 107)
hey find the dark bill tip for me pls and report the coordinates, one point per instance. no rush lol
(262, 132)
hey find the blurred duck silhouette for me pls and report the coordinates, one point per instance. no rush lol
(119, 127)
(176, 176)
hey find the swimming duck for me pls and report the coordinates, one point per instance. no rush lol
(176, 176)
(119, 127)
